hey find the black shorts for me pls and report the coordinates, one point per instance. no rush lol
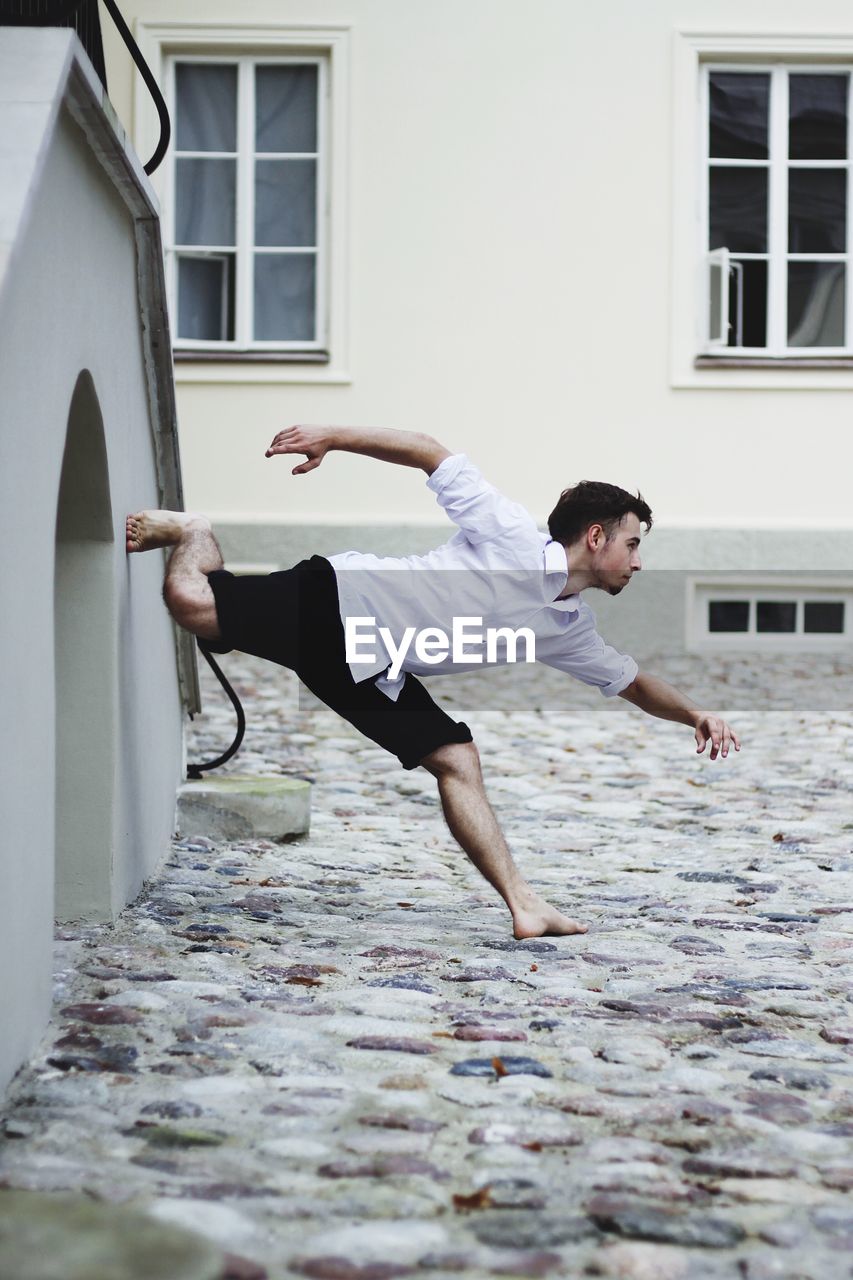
(293, 618)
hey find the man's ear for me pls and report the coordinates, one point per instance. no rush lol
(595, 536)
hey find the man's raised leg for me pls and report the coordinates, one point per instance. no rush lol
(186, 590)
(471, 819)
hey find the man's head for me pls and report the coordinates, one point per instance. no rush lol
(599, 525)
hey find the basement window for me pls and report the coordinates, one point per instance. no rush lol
(790, 616)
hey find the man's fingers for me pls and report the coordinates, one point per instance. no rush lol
(283, 442)
(306, 466)
(720, 735)
(289, 441)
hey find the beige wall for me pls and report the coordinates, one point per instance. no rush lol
(509, 273)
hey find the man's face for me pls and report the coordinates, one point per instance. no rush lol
(617, 559)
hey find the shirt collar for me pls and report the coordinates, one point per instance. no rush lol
(557, 563)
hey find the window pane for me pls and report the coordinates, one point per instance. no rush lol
(823, 616)
(816, 304)
(204, 206)
(286, 202)
(728, 615)
(817, 118)
(817, 210)
(738, 118)
(738, 213)
(775, 615)
(285, 289)
(206, 298)
(286, 108)
(748, 304)
(206, 114)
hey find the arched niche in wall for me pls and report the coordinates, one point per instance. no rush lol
(85, 666)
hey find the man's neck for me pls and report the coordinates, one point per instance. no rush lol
(579, 575)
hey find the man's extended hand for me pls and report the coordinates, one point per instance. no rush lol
(721, 736)
(407, 448)
(657, 698)
(314, 442)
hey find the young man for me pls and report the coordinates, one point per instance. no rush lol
(498, 569)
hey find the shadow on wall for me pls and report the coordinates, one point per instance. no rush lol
(85, 664)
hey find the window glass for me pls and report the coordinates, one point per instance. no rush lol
(728, 615)
(258, 122)
(206, 298)
(823, 617)
(817, 117)
(816, 304)
(738, 115)
(285, 202)
(776, 615)
(817, 211)
(206, 114)
(286, 108)
(285, 292)
(778, 204)
(738, 209)
(206, 204)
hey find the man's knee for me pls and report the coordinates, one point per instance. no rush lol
(181, 600)
(191, 605)
(454, 760)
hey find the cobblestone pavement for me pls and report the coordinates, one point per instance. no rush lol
(331, 1057)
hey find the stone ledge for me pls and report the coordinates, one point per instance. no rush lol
(65, 1236)
(244, 808)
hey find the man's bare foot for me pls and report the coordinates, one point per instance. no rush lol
(149, 529)
(538, 917)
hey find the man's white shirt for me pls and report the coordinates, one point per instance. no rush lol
(498, 568)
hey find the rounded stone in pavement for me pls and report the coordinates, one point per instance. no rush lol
(643, 1221)
(520, 1230)
(44, 1236)
(636, 1260)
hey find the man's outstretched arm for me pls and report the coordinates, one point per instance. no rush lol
(658, 698)
(407, 448)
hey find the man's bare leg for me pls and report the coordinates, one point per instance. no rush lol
(472, 821)
(186, 590)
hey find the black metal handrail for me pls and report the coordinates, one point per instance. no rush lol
(196, 770)
(150, 83)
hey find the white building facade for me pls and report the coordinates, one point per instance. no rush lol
(573, 241)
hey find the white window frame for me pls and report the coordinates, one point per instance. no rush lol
(245, 248)
(759, 587)
(165, 43)
(748, 367)
(718, 260)
(778, 166)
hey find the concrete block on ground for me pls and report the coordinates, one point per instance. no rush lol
(244, 808)
(65, 1236)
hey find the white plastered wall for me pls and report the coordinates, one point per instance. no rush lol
(509, 267)
(69, 305)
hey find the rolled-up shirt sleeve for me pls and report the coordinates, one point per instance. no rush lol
(475, 506)
(581, 652)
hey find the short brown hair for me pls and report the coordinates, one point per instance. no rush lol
(594, 502)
